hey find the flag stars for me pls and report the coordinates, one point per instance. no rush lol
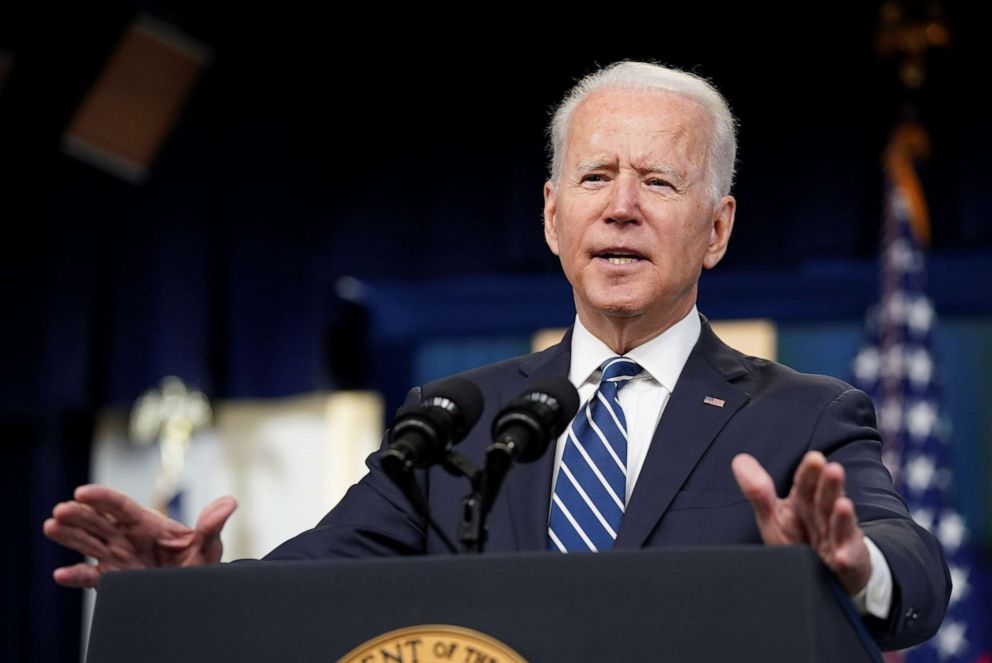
(919, 473)
(951, 531)
(894, 308)
(893, 361)
(903, 257)
(959, 584)
(898, 204)
(899, 369)
(867, 364)
(921, 419)
(890, 417)
(924, 517)
(920, 367)
(891, 460)
(950, 640)
(920, 315)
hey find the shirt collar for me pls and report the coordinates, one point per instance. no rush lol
(662, 357)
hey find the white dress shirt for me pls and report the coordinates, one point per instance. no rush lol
(644, 399)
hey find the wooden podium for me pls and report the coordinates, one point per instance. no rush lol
(740, 603)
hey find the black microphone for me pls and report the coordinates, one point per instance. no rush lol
(422, 434)
(524, 428)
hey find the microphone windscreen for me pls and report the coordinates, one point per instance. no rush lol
(462, 392)
(567, 396)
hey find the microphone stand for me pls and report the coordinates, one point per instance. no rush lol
(472, 524)
(471, 517)
(476, 505)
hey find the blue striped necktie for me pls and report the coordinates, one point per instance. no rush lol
(588, 502)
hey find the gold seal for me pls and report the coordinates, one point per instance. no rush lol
(433, 643)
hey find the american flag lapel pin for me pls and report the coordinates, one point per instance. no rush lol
(715, 402)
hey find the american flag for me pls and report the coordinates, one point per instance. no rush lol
(896, 366)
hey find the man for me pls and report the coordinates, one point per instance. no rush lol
(677, 427)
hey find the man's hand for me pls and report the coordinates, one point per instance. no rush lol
(121, 534)
(815, 512)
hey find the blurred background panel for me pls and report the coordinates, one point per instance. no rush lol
(309, 217)
(127, 114)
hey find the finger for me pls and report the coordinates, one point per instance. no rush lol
(829, 489)
(215, 515)
(81, 516)
(803, 494)
(844, 527)
(78, 575)
(807, 476)
(124, 554)
(211, 520)
(204, 547)
(850, 559)
(75, 538)
(176, 542)
(124, 510)
(209, 524)
(757, 486)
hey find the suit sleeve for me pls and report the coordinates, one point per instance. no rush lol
(846, 434)
(373, 518)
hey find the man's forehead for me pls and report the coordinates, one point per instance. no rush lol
(600, 140)
(665, 107)
(674, 150)
(647, 117)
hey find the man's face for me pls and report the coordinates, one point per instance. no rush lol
(631, 218)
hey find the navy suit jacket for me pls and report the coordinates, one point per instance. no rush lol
(686, 493)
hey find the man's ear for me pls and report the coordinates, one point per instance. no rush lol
(723, 225)
(550, 207)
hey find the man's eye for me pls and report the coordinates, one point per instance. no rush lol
(657, 182)
(592, 177)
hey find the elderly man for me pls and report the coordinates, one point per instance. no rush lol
(682, 440)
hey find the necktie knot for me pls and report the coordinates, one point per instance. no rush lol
(620, 370)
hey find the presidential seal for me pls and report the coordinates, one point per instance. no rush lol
(433, 643)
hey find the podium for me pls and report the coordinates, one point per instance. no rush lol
(738, 603)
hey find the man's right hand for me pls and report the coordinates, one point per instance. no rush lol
(120, 534)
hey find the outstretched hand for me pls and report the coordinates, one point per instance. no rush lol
(815, 512)
(120, 534)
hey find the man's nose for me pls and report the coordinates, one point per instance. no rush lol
(624, 202)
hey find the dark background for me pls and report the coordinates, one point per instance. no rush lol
(395, 146)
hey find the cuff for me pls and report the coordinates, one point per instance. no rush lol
(876, 597)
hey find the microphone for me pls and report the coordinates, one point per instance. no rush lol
(524, 428)
(422, 434)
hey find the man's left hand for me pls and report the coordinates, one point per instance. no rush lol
(815, 512)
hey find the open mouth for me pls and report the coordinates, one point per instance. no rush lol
(619, 257)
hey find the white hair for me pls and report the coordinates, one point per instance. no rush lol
(722, 146)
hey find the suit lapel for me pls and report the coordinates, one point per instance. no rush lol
(528, 485)
(687, 428)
